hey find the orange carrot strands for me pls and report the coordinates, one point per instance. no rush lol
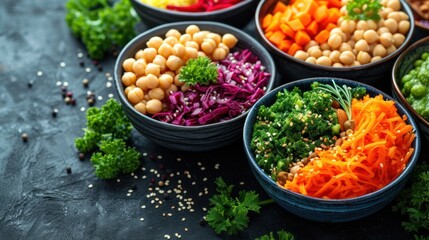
(369, 159)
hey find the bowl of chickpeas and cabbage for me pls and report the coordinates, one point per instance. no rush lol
(162, 78)
(156, 12)
(312, 38)
(410, 82)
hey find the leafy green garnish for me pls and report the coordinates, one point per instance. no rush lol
(115, 158)
(107, 129)
(342, 95)
(281, 235)
(413, 201)
(363, 9)
(199, 70)
(228, 213)
(100, 26)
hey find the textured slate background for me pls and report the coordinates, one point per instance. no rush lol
(39, 200)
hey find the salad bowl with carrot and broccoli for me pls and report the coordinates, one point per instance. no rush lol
(331, 150)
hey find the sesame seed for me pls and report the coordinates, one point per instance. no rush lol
(90, 186)
(142, 219)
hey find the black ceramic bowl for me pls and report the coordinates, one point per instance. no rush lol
(327, 210)
(403, 65)
(374, 73)
(189, 138)
(238, 15)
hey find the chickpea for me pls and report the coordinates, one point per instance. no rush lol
(380, 23)
(171, 89)
(337, 64)
(154, 42)
(128, 64)
(160, 60)
(185, 38)
(339, 32)
(324, 61)
(174, 62)
(391, 49)
(139, 54)
(335, 56)
(135, 95)
(129, 78)
(398, 39)
(207, 47)
(352, 43)
(191, 53)
(165, 81)
(362, 25)
(347, 57)
(171, 73)
(173, 33)
(156, 93)
(153, 106)
(198, 37)
(345, 47)
(358, 35)
(403, 26)
(141, 107)
(379, 50)
(376, 58)
(215, 36)
(171, 40)
(370, 36)
(348, 26)
(394, 15)
(139, 67)
(403, 15)
(141, 83)
(372, 25)
(363, 57)
(151, 81)
(382, 30)
(391, 24)
(362, 45)
(326, 53)
(165, 50)
(311, 60)
(324, 46)
(356, 63)
(193, 44)
(179, 50)
(149, 54)
(201, 54)
(177, 81)
(385, 11)
(191, 29)
(222, 45)
(229, 40)
(218, 54)
(386, 39)
(153, 68)
(314, 52)
(146, 97)
(128, 89)
(335, 41)
(301, 55)
(310, 44)
(395, 5)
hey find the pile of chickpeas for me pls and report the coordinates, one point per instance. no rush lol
(153, 73)
(358, 42)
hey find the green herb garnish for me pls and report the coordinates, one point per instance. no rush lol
(200, 70)
(107, 129)
(100, 26)
(364, 9)
(342, 95)
(281, 235)
(228, 213)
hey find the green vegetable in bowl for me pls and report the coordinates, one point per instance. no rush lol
(100, 26)
(364, 9)
(415, 86)
(200, 70)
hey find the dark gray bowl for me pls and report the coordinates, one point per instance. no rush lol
(189, 138)
(238, 15)
(402, 66)
(374, 73)
(318, 209)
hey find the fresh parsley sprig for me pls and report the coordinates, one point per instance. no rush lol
(229, 213)
(281, 235)
(199, 70)
(363, 9)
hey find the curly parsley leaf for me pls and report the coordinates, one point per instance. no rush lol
(199, 70)
(281, 235)
(364, 9)
(100, 26)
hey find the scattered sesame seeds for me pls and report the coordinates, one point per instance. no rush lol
(142, 219)
(90, 186)
(80, 55)
(62, 64)
(39, 73)
(87, 69)
(110, 95)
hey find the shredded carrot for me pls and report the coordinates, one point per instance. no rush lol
(367, 160)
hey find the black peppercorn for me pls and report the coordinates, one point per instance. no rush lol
(54, 112)
(68, 170)
(24, 137)
(81, 156)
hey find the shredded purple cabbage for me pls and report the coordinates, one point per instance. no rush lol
(241, 82)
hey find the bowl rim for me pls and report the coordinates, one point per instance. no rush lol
(165, 27)
(285, 192)
(395, 80)
(195, 14)
(282, 54)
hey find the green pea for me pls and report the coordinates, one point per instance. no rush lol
(418, 91)
(406, 78)
(407, 88)
(425, 55)
(418, 63)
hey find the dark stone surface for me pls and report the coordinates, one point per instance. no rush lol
(39, 199)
